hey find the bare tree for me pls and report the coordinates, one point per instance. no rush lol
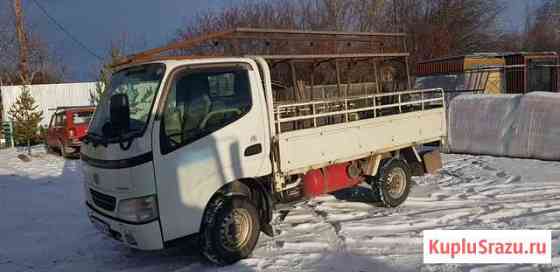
(368, 15)
(42, 64)
(440, 28)
(543, 32)
(435, 27)
(341, 15)
(266, 14)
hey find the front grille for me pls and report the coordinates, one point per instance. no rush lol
(103, 201)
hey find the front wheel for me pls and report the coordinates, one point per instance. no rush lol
(230, 230)
(393, 185)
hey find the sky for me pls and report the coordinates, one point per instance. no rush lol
(150, 22)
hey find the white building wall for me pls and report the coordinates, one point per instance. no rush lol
(49, 96)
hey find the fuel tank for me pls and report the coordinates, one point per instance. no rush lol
(330, 179)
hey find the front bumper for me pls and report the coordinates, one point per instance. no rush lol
(140, 236)
(72, 147)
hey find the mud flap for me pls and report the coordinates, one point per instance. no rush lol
(432, 161)
(267, 229)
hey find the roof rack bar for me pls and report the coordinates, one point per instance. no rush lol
(311, 32)
(309, 42)
(185, 45)
(335, 56)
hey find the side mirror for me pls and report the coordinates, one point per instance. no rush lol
(120, 113)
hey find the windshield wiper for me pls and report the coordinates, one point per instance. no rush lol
(95, 139)
(132, 134)
(124, 140)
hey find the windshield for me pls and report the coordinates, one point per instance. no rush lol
(140, 84)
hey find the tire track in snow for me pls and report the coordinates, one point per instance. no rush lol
(337, 241)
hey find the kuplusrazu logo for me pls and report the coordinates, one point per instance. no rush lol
(487, 246)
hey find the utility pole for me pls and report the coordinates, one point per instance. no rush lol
(22, 40)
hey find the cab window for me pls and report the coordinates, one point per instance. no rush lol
(60, 119)
(202, 102)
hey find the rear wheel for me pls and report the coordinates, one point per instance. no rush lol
(230, 230)
(393, 184)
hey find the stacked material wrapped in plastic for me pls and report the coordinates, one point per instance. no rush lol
(524, 126)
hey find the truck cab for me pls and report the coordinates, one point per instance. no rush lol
(183, 146)
(201, 121)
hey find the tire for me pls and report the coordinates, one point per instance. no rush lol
(49, 149)
(62, 150)
(393, 184)
(217, 241)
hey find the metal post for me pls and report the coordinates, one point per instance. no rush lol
(312, 82)
(346, 110)
(376, 76)
(422, 96)
(400, 103)
(406, 64)
(278, 123)
(349, 83)
(337, 68)
(374, 107)
(294, 81)
(314, 117)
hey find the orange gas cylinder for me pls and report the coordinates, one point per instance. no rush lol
(330, 179)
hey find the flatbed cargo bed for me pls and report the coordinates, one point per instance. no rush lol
(314, 134)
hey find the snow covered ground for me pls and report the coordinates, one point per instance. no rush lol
(43, 226)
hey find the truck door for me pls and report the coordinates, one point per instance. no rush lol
(211, 131)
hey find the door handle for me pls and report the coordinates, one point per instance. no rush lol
(253, 150)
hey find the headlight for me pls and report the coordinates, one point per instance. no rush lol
(138, 210)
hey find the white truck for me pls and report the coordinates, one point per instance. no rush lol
(208, 146)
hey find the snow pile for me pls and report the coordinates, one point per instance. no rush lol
(523, 126)
(44, 226)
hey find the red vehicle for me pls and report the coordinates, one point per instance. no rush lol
(67, 126)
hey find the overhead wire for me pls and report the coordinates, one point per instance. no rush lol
(65, 31)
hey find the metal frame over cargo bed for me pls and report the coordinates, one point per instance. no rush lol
(289, 47)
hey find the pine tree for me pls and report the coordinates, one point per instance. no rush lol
(104, 77)
(26, 118)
